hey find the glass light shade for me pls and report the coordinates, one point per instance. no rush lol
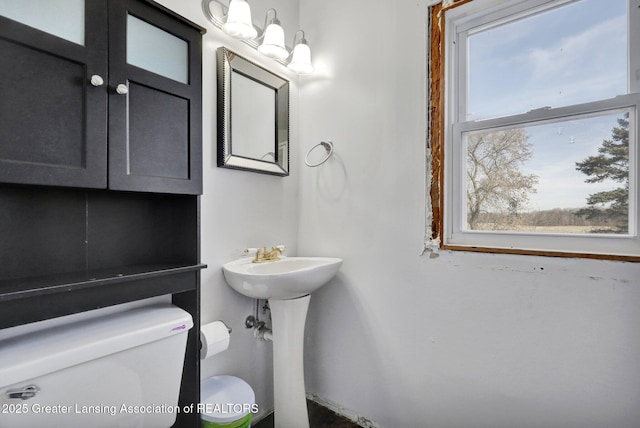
(238, 23)
(301, 59)
(273, 43)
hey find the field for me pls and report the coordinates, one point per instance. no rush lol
(578, 230)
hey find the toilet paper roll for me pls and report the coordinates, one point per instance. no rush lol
(215, 339)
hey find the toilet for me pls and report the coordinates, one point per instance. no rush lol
(118, 370)
(226, 402)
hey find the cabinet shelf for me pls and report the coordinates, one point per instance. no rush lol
(22, 288)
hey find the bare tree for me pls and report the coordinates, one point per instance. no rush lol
(494, 178)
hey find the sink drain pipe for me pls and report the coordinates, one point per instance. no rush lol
(260, 330)
(263, 333)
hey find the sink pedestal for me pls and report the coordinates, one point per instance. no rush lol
(287, 283)
(288, 319)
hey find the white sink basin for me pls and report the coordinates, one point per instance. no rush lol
(287, 278)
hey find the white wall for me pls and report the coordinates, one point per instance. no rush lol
(463, 340)
(241, 209)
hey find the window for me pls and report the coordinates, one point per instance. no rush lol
(539, 150)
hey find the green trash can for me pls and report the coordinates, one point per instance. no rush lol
(228, 402)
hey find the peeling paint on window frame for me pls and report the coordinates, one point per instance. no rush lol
(435, 148)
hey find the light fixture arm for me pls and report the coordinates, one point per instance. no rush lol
(302, 40)
(206, 9)
(273, 20)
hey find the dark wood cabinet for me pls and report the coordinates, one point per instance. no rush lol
(53, 122)
(155, 129)
(101, 168)
(93, 115)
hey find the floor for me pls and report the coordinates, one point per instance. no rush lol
(319, 417)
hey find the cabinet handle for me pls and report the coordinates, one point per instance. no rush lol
(96, 80)
(122, 89)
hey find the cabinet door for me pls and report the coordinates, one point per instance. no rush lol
(155, 82)
(52, 118)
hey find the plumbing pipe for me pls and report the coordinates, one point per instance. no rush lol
(263, 333)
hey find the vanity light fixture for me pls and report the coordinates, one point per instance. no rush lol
(236, 21)
(301, 55)
(273, 38)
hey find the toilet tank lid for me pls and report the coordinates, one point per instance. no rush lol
(45, 351)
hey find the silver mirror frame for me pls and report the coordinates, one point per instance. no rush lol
(228, 64)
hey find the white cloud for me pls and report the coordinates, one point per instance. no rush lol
(586, 66)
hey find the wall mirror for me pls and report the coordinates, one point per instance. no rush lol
(253, 116)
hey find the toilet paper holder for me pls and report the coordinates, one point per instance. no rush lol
(228, 328)
(214, 338)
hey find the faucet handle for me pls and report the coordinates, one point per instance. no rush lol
(263, 254)
(251, 251)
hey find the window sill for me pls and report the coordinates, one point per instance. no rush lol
(476, 249)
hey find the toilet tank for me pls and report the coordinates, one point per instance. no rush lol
(117, 370)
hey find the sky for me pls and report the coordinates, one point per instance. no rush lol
(568, 55)
(557, 148)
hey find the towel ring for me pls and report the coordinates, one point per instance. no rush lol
(328, 146)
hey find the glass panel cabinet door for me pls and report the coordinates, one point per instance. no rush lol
(128, 67)
(69, 16)
(53, 108)
(156, 50)
(155, 117)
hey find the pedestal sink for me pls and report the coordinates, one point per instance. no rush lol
(287, 284)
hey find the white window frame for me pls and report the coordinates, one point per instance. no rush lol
(462, 20)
